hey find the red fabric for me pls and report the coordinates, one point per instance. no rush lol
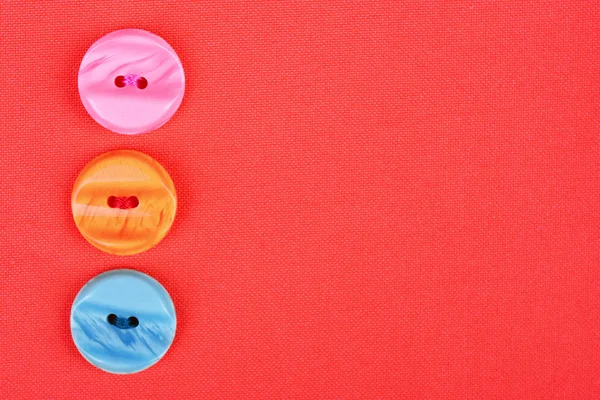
(376, 200)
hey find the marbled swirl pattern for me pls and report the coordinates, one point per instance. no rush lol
(130, 110)
(124, 173)
(125, 293)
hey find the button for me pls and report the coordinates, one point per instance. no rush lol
(123, 321)
(124, 202)
(131, 81)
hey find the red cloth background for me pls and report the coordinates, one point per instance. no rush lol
(376, 200)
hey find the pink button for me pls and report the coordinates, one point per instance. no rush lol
(131, 81)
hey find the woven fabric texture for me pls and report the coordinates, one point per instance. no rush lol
(377, 199)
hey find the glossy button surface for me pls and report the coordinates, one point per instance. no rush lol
(124, 202)
(123, 321)
(131, 81)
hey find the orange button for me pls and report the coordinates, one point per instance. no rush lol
(124, 202)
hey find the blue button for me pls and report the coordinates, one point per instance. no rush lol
(123, 321)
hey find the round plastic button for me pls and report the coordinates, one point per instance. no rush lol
(131, 81)
(123, 321)
(124, 202)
